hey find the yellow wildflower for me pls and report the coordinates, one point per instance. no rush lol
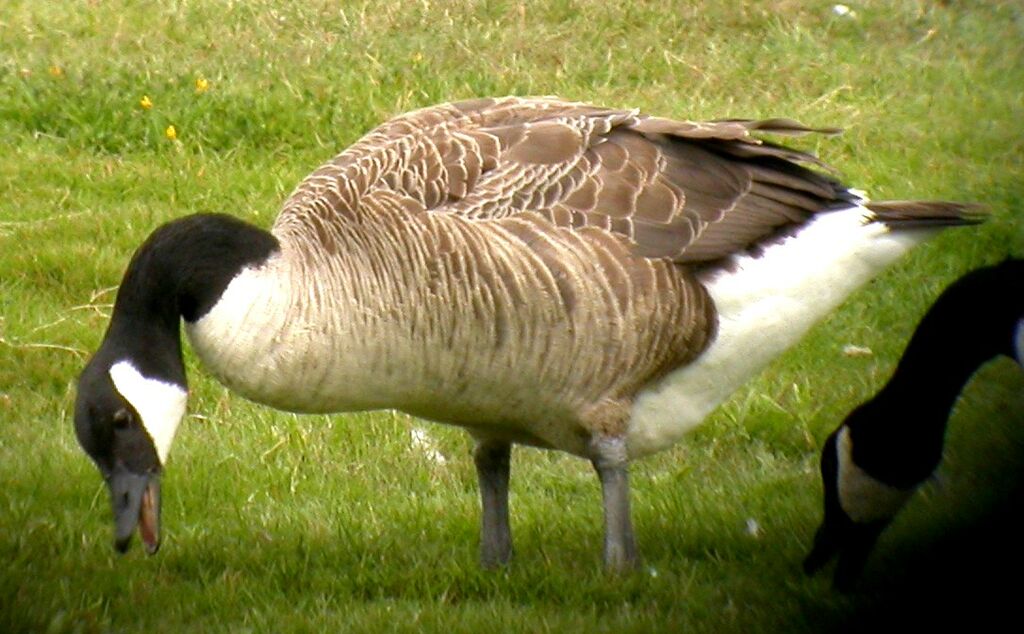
(145, 102)
(56, 71)
(202, 85)
(171, 133)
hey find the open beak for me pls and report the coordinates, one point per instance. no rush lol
(135, 498)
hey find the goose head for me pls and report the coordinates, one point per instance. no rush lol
(125, 422)
(839, 535)
(869, 469)
(133, 391)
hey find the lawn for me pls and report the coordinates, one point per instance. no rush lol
(118, 116)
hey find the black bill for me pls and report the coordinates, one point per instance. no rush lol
(135, 498)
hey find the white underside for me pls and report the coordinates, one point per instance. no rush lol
(160, 405)
(765, 305)
(300, 346)
(250, 340)
(863, 498)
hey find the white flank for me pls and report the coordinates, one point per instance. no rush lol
(160, 405)
(765, 305)
(862, 497)
(256, 343)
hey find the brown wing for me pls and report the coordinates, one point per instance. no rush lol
(688, 191)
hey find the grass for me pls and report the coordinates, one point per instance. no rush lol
(279, 523)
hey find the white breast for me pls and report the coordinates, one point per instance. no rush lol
(261, 340)
(765, 304)
(863, 498)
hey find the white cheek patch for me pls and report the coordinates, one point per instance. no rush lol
(161, 405)
(862, 497)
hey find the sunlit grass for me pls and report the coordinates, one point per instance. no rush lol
(282, 523)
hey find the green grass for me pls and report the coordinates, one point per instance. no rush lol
(279, 523)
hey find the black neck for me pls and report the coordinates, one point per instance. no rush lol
(974, 320)
(180, 271)
(899, 434)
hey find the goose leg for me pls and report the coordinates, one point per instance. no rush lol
(492, 469)
(609, 459)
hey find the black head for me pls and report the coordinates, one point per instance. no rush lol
(113, 433)
(131, 395)
(870, 466)
(839, 535)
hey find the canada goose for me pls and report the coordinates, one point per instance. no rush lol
(892, 443)
(537, 271)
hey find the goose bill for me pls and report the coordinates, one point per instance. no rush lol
(136, 503)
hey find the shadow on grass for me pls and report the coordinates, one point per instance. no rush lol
(964, 569)
(973, 570)
(923, 574)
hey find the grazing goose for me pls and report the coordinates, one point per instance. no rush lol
(536, 271)
(892, 443)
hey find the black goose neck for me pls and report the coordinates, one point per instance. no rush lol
(899, 434)
(180, 272)
(972, 321)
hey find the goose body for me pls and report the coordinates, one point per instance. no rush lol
(294, 359)
(536, 271)
(892, 443)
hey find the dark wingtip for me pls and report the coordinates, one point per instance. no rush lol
(789, 127)
(927, 213)
(780, 126)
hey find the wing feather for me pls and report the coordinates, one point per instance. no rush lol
(684, 190)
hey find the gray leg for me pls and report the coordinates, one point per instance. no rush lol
(609, 459)
(492, 468)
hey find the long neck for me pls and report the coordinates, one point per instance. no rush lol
(974, 320)
(900, 433)
(179, 272)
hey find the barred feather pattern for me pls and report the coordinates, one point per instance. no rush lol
(522, 267)
(688, 191)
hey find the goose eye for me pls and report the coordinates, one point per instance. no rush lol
(122, 418)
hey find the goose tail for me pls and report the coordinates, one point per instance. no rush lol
(912, 214)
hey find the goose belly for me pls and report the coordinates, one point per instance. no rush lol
(309, 344)
(765, 304)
